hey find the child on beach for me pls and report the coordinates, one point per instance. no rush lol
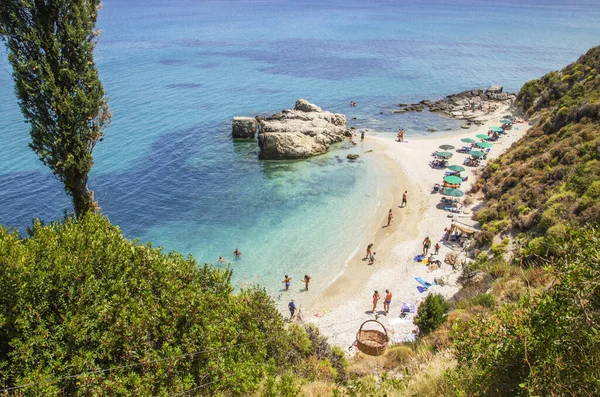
(287, 282)
(372, 258)
(437, 248)
(375, 300)
(306, 280)
(426, 245)
(390, 217)
(387, 301)
(369, 251)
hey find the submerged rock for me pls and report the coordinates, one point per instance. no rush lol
(352, 156)
(300, 133)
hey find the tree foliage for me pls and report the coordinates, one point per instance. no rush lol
(547, 344)
(50, 47)
(78, 298)
(431, 313)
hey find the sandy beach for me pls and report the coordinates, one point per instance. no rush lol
(346, 303)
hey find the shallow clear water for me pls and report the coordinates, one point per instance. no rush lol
(176, 72)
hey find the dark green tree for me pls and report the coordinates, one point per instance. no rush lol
(431, 313)
(50, 46)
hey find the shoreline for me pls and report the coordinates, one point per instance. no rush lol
(340, 308)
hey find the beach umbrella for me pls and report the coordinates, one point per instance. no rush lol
(453, 180)
(496, 129)
(468, 140)
(444, 155)
(446, 147)
(482, 136)
(484, 144)
(506, 121)
(477, 153)
(453, 192)
(456, 168)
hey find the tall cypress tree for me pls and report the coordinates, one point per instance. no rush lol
(50, 46)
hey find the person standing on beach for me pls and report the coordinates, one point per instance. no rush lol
(372, 258)
(426, 245)
(437, 248)
(306, 280)
(287, 282)
(390, 217)
(375, 300)
(387, 301)
(404, 198)
(292, 307)
(369, 251)
(362, 135)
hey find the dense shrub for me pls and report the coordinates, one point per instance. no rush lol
(431, 313)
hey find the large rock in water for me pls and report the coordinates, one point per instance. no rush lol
(244, 127)
(300, 133)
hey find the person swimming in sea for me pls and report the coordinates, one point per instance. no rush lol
(237, 253)
(224, 261)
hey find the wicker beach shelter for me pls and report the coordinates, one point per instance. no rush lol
(371, 341)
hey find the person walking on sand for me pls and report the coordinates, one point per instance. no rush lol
(404, 197)
(387, 301)
(306, 280)
(426, 245)
(292, 307)
(372, 258)
(287, 282)
(437, 248)
(390, 217)
(375, 300)
(369, 251)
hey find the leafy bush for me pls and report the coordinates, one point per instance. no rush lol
(431, 313)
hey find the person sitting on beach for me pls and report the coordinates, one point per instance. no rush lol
(287, 282)
(306, 280)
(369, 251)
(375, 300)
(237, 253)
(372, 258)
(292, 307)
(387, 301)
(390, 217)
(426, 245)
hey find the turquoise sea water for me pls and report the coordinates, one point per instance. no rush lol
(178, 71)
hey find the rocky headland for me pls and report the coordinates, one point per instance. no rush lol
(302, 132)
(467, 105)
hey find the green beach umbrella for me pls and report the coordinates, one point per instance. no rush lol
(468, 140)
(446, 147)
(453, 192)
(496, 129)
(482, 136)
(456, 168)
(484, 144)
(506, 121)
(453, 180)
(477, 153)
(445, 155)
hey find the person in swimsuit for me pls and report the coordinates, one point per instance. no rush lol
(292, 307)
(437, 248)
(388, 300)
(404, 199)
(362, 136)
(375, 300)
(369, 251)
(225, 261)
(390, 217)
(426, 245)
(287, 281)
(372, 258)
(237, 253)
(306, 280)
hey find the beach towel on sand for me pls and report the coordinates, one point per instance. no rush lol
(408, 307)
(424, 283)
(419, 258)
(421, 289)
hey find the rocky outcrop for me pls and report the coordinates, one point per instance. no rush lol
(303, 132)
(244, 127)
(465, 105)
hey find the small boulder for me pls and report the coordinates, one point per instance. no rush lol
(494, 89)
(304, 106)
(244, 127)
(352, 156)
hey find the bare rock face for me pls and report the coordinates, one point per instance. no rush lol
(300, 133)
(244, 127)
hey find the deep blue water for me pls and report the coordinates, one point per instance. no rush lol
(178, 71)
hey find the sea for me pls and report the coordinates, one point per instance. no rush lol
(176, 72)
